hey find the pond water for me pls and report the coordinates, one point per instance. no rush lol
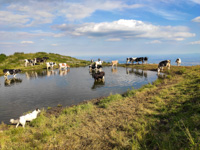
(48, 88)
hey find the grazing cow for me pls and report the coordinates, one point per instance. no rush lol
(99, 76)
(138, 59)
(40, 60)
(10, 72)
(50, 65)
(45, 58)
(63, 66)
(178, 61)
(131, 59)
(28, 117)
(165, 63)
(29, 61)
(114, 63)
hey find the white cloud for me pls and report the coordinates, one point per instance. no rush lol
(154, 42)
(197, 19)
(27, 42)
(196, 1)
(114, 39)
(125, 29)
(54, 44)
(195, 42)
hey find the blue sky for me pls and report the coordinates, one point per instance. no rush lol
(100, 27)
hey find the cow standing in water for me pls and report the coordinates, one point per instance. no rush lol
(114, 63)
(165, 63)
(11, 72)
(178, 61)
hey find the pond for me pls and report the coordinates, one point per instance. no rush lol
(48, 88)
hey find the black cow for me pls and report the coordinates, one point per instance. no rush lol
(45, 59)
(99, 76)
(11, 72)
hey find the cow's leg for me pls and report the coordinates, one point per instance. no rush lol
(17, 125)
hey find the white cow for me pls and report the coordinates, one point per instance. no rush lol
(28, 117)
(63, 66)
(178, 61)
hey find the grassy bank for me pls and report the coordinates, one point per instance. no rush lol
(162, 115)
(16, 61)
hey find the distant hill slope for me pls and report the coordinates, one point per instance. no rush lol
(17, 60)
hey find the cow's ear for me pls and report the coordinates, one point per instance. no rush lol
(37, 109)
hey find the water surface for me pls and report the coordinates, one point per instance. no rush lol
(48, 88)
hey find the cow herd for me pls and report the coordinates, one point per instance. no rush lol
(98, 75)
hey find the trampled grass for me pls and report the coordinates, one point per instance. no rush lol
(162, 115)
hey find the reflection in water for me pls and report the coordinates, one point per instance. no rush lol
(51, 72)
(63, 72)
(114, 70)
(161, 76)
(78, 85)
(12, 81)
(44, 73)
(137, 72)
(35, 74)
(98, 84)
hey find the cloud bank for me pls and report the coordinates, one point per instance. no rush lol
(126, 29)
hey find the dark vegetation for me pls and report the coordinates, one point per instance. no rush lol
(158, 116)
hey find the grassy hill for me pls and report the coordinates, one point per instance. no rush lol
(16, 61)
(164, 115)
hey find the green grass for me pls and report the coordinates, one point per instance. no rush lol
(16, 61)
(161, 115)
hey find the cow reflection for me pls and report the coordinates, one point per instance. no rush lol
(51, 72)
(137, 72)
(63, 72)
(12, 81)
(98, 84)
(114, 70)
(35, 75)
(161, 76)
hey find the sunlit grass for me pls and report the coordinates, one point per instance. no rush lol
(161, 115)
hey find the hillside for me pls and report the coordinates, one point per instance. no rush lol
(16, 61)
(162, 115)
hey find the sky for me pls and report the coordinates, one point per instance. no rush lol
(100, 27)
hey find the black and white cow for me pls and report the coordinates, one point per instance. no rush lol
(165, 63)
(178, 61)
(138, 59)
(50, 65)
(11, 72)
(29, 62)
(96, 65)
(145, 60)
(131, 59)
(99, 76)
